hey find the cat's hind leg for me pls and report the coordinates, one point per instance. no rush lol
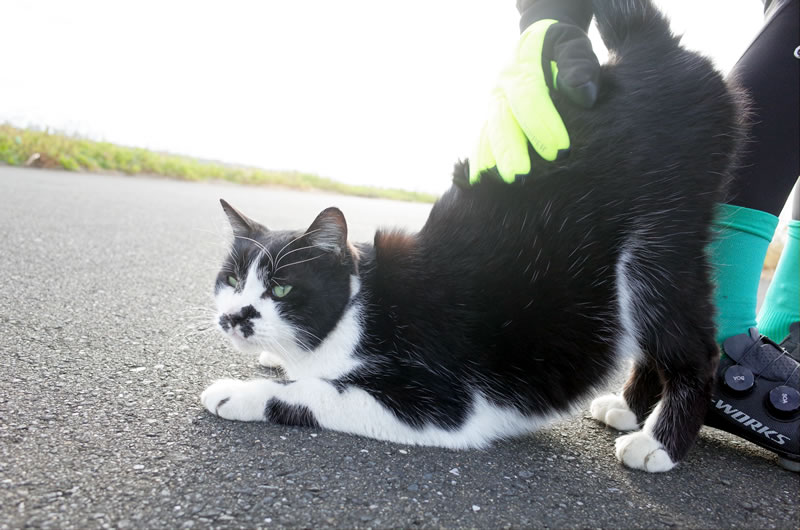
(627, 411)
(643, 387)
(687, 368)
(671, 428)
(614, 411)
(676, 330)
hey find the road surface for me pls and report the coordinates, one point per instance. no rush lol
(105, 283)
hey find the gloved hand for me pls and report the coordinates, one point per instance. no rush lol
(551, 55)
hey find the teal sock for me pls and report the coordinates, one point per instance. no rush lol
(741, 238)
(782, 304)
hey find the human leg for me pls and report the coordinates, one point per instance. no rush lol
(781, 305)
(757, 380)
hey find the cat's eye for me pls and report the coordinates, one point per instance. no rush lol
(279, 291)
(233, 281)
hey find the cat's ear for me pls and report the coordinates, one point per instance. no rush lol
(240, 223)
(328, 231)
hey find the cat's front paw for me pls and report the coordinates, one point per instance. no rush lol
(614, 412)
(270, 360)
(640, 450)
(236, 400)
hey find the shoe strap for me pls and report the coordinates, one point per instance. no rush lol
(740, 347)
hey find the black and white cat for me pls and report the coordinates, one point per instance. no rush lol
(514, 302)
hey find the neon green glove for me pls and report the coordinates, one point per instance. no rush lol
(521, 110)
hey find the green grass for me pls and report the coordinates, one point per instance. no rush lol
(47, 149)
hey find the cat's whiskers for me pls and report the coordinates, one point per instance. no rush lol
(260, 246)
(300, 340)
(199, 333)
(270, 342)
(196, 329)
(280, 257)
(196, 314)
(191, 308)
(310, 334)
(278, 254)
(234, 254)
(226, 268)
(297, 263)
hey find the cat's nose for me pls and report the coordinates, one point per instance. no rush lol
(243, 319)
(225, 322)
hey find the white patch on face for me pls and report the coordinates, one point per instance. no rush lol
(331, 359)
(270, 331)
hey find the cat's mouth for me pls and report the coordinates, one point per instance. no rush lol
(242, 343)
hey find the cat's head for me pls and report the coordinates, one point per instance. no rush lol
(284, 291)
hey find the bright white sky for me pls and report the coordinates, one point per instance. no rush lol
(363, 91)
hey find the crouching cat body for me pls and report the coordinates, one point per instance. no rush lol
(513, 302)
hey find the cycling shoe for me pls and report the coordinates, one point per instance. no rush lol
(757, 396)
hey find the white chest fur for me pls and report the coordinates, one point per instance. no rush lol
(334, 357)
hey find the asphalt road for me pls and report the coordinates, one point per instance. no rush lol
(103, 285)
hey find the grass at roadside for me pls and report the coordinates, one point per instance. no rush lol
(45, 149)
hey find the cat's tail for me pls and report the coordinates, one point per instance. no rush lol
(623, 22)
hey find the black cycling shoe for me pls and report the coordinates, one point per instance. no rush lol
(757, 396)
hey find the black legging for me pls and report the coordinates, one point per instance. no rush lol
(770, 71)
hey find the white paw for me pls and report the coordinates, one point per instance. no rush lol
(614, 412)
(270, 360)
(639, 450)
(237, 400)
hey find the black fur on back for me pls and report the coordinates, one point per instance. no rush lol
(511, 290)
